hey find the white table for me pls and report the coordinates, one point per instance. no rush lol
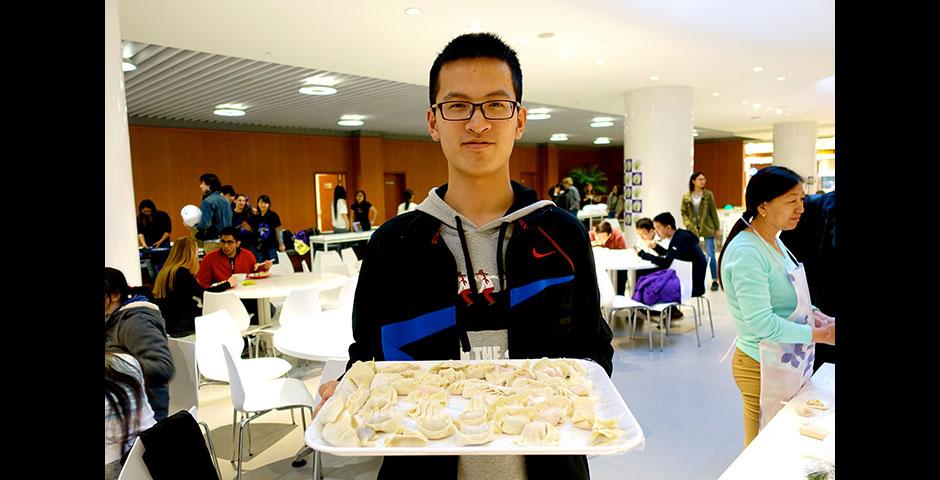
(626, 259)
(327, 335)
(590, 216)
(780, 451)
(281, 285)
(329, 238)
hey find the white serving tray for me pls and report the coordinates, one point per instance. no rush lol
(574, 441)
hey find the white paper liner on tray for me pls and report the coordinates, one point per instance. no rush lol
(574, 441)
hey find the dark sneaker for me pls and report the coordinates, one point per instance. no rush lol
(714, 285)
(676, 313)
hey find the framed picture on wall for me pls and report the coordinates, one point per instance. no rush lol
(637, 178)
(636, 164)
(637, 192)
(627, 191)
(627, 219)
(628, 165)
(637, 206)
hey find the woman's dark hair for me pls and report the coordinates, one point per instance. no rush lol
(338, 193)
(615, 190)
(363, 192)
(212, 181)
(408, 196)
(146, 203)
(766, 185)
(475, 45)
(692, 180)
(116, 386)
(265, 199)
(644, 223)
(116, 283)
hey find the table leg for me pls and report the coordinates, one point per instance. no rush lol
(631, 282)
(299, 457)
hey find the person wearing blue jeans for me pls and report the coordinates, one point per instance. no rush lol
(700, 216)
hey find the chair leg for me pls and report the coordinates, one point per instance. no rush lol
(241, 431)
(666, 322)
(317, 466)
(292, 421)
(710, 323)
(649, 327)
(215, 459)
(234, 424)
(249, 439)
(303, 418)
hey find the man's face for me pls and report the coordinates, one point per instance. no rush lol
(230, 198)
(228, 245)
(601, 236)
(476, 147)
(203, 187)
(645, 234)
(664, 231)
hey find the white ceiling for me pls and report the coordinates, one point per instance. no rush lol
(710, 46)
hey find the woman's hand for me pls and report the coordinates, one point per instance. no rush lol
(326, 391)
(821, 319)
(825, 334)
(282, 248)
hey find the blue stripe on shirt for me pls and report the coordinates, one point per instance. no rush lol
(397, 335)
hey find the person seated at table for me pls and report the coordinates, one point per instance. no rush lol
(153, 226)
(645, 236)
(683, 245)
(127, 411)
(606, 236)
(175, 290)
(134, 325)
(219, 265)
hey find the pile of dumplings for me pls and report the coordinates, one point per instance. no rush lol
(529, 401)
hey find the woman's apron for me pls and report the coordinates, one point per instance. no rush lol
(785, 367)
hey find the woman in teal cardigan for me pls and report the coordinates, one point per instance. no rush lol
(768, 297)
(700, 216)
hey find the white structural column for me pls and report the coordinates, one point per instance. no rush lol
(795, 147)
(658, 132)
(120, 222)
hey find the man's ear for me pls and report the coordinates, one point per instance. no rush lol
(432, 126)
(521, 121)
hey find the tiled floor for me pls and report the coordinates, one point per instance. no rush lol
(686, 402)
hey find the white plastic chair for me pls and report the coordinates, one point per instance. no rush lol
(683, 270)
(213, 302)
(607, 293)
(134, 467)
(351, 262)
(304, 267)
(284, 265)
(347, 294)
(329, 262)
(216, 329)
(253, 398)
(298, 307)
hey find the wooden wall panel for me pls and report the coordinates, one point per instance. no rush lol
(423, 164)
(723, 166)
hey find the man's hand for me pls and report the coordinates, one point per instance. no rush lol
(326, 391)
(244, 226)
(267, 265)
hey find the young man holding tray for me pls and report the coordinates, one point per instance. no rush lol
(492, 272)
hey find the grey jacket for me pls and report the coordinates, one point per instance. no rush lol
(138, 328)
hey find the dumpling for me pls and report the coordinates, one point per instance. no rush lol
(452, 364)
(418, 396)
(358, 399)
(545, 367)
(580, 386)
(381, 398)
(424, 407)
(475, 433)
(503, 402)
(367, 436)
(361, 373)
(384, 421)
(384, 379)
(406, 437)
(450, 375)
(428, 378)
(560, 401)
(398, 367)
(583, 416)
(480, 370)
(536, 434)
(510, 420)
(331, 409)
(435, 424)
(605, 432)
(404, 386)
(340, 433)
(551, 415)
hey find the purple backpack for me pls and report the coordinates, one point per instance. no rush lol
(658, 287)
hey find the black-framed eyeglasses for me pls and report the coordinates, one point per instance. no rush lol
(492, 110)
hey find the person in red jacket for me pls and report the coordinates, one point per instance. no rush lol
(218, 266)
(606, 236)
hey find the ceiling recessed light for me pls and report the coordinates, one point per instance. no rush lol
(350, 123)
(600, 62)
(602, 119)
(352, 117)
(317, 90)
(601, 124)
(324, 80)
(781, 78)
(744, 102)
(538, 116)
(559, 137)
(567, 53)
(601, 141)
(757, 105)
(475, 27)
(694, 133)
(757, 69)
(779, 112)
(770, 108)
(229, 110)
(546, 35)
(127, 66)
(540, 110)
(413, 11)
(654, 78)
(716, 94)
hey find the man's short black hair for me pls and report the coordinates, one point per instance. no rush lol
(665, 218)
(212, 181)
(604, 227)
(230, 231)
(644, 223)
(228, 190)
(476, 45)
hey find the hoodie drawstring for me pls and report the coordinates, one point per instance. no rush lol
(499, 255)
(466, 256)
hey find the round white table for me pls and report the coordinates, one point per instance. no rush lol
(281, 285)
(626, 259)
(324, 336)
